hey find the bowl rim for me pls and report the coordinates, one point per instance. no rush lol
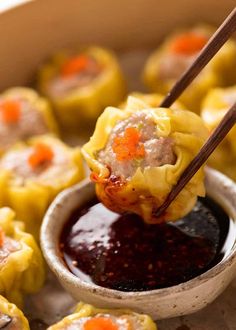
(58, 266)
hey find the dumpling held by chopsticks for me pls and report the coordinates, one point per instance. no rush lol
(137, 155)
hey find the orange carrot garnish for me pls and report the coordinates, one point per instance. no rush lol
(41, 154)
(188, 43)
(2, 236)
(128, 147)
(100, 323)
(10, 111)
(75, 65)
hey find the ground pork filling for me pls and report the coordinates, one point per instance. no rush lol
(31, 122)
(172, 66)
(9, 246)
(181, 53)
(153, 151)
(17, 162)
(125, 322)
(61, 85)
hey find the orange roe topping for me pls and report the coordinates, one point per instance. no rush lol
(100, 323)
(10, 111)
(128, 147)
(75, 65)
(188, 43)
(2, 236)
(41, 154)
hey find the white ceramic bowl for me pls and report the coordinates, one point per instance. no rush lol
(181, 299)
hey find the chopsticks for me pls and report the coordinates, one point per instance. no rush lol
(223, 33)
(217, 136)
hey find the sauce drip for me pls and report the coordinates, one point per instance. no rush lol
(122, 252)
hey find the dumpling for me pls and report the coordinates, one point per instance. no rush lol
(23, 114)
(215, 105)
(87, 317)
(21, 263)
(33, 173)
(137, 154)
(81, 84)
(174, 56)
(11, 318)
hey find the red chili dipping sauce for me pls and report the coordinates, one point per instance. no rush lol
(122, 252)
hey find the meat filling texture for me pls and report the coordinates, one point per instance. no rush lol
(181, 55)
(61, 85)
(157, 151)
(31, 122)
(17, 162)
(9, 246)
(172, 66)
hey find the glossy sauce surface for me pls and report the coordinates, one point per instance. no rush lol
(122, 252)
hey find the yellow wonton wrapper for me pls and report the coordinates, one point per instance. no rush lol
(215, 105)
(147, 189)
(153, 100)
(23, 270)
(31, 200)
(19, 320)
(219, 72)
(85, 103)
(39, 103)
(85, 310)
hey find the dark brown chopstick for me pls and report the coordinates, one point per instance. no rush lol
(222, 34)
(217, 136)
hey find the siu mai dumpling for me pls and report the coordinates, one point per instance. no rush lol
(169, 61)
(21, 262)
(33, 173)
(137, 155)
(23, 114)
(215, 105)
(81, 84)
